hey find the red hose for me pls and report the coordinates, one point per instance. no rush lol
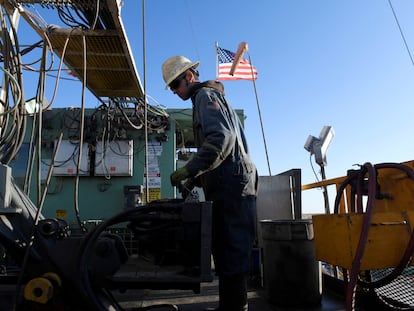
(356, 264)
(371, 170)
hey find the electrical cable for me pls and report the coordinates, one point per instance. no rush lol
(50, 171)
(81, 14)
(82, 120)
(35, 20)
(95, 20)
(68, 19)
(40, 95)
(194, 37)
(52, 100)
(19, 93)
(401, 32)
(30, 158)
(105, 144)
(150, 211)
(13, 121)
(313, 168)
(136, 127)
(38, 215)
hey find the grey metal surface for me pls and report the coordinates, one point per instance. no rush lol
(188, 301)
(278, 198)
(273, 199)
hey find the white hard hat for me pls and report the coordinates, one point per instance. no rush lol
(173, 67)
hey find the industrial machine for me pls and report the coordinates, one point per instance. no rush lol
(87, 209)
(369, 240)
(57, 270)
(86, 206)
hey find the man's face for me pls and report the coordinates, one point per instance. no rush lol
(180, 85)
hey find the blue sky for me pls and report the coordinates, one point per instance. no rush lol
(341, 63)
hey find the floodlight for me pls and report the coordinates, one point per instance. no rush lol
(326, 137)
(309, 143)
(319, 146)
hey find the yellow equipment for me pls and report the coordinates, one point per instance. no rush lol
(337, 237)
(391, 221)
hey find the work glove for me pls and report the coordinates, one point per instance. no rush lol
(178, 176)
(187, 187)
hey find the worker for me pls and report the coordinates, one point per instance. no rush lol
(223, 168)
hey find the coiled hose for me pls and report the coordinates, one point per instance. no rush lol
(360, 178)
(149, 211)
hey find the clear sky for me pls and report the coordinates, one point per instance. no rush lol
(341, 63)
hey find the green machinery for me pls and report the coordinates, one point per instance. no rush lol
(113, 157)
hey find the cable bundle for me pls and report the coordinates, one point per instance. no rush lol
(12, 110)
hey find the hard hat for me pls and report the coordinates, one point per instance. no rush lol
(173, 67)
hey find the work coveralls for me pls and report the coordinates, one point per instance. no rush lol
(223, 168)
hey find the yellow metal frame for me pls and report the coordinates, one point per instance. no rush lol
(337, 235)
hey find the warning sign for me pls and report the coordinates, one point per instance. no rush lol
(154, 194)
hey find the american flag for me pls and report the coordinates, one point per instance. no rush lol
(244, 71)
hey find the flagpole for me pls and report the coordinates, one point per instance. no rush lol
(217, 70)
(260, 114)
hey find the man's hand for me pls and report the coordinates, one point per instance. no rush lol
(187, 187)
(178, 176)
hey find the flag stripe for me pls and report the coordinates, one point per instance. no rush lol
(244, 71)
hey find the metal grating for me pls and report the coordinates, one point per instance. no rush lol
(54, 3)
(109, 70)
(110, 67)
(399, 293)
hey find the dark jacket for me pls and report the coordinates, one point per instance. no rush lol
(222, 163)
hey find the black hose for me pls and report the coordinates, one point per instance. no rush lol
(134, 214)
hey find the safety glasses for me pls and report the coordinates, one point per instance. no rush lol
(176, 82)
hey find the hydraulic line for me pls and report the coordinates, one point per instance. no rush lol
(152, 211)
(405, 259)
(356, 264)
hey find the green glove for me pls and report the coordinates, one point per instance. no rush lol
(179, 175)
(189, 184)
(187, 187)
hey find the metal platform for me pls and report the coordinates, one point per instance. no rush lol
(208, 297)
(110, 67)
